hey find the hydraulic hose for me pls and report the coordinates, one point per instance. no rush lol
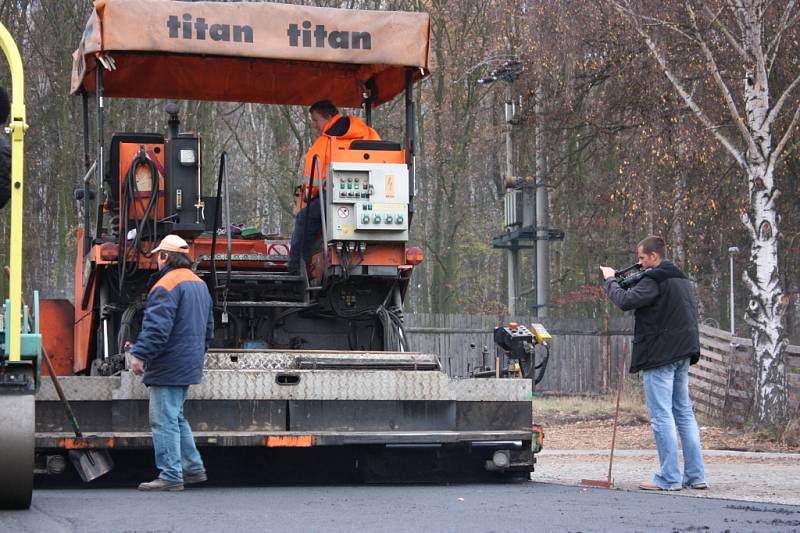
(223, 158)
(131, 196)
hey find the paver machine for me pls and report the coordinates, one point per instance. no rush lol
(315, 362)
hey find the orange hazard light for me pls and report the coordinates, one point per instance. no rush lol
(289, 441)
(414, 255)
(539, 430)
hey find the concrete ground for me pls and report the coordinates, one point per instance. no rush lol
(751, 476)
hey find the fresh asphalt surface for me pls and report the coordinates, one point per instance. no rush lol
(527, 506)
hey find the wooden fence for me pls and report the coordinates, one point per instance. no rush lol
(585, 358)
(585, 353)
(723, 381)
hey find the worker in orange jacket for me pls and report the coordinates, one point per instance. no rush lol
(335, 131)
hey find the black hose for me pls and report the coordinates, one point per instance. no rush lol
(126, 324)
(222, 160)
(130, 197)
(542, 367)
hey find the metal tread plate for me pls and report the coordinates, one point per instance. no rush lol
(266, 384)
(339, 385)
(283, 360)
(80, 388)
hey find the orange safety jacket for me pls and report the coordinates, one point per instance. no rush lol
(337, 134)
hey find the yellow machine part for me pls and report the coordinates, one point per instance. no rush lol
(16, 410)
(540, 334)
(17, 127)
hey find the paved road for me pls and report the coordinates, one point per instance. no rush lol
(527, 507)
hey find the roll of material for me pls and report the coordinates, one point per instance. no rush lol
(17, 420)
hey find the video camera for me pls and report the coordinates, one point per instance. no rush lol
(629, 276)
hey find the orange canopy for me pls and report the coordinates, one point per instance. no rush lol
(249, 52)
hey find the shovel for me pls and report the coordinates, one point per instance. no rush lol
(90, 463)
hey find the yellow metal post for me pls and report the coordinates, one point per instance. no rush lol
(18, 127)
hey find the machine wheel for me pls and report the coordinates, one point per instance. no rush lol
(17, 420)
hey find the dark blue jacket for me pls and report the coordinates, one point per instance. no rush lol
(177, 327)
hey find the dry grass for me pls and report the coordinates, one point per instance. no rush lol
(566, 409)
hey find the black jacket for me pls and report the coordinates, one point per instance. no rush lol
(666, 328)
(5, 170)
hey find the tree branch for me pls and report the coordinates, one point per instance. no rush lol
(727, 33)
(737, 7)
(714, 70)
(687, 98)
(784, 24)
(776, 109)
(775, 157)
(669, 25)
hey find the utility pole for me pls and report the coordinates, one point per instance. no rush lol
(526, 203)
(509, 72)
(513, 252)
(542, 215)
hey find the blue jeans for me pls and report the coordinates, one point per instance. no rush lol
(173, 441)
(666, 389)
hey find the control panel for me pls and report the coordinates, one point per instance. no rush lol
(351, 187)
(184, 184)
(367, 202)
(511, 334)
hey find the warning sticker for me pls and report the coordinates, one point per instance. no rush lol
(343, 212)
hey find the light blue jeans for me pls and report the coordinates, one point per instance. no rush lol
(173, 441)
(666, 389)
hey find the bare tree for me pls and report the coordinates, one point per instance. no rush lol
(716, 38)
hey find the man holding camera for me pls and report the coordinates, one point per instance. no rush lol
(666, 341)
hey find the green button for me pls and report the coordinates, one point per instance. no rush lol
(377, 219)
(399, 219)
(388, 219)
(365, 219)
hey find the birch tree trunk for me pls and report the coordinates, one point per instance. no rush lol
(752, 148)
(766, 307)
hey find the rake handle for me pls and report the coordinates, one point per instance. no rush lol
(616, 412)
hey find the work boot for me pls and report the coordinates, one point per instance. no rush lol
(159, 484)
(199, 477)
(649, 485)
(700, 485)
